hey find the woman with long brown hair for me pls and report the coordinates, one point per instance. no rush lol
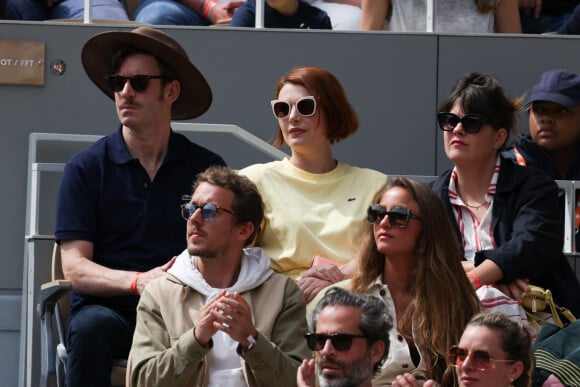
(411, 259)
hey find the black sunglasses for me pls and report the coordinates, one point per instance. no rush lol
(139, 83)
(398, 216)
(208, 210)
(340, 341)
(471, 123)
(306, 107)
(480, 359)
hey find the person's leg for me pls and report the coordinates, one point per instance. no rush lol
(545, 23)
(342, 16)
(96, 336)
(167, 12)
(558, 21)
(102, 9)
(26, 10)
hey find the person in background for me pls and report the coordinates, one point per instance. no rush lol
(116, 222)
(506, 216)
(350, 340)
(411, 260)
(344, 14)
(282, 14)
(572, 24)
(221, 316)
(314, 204)
(408, 16)
(186, 12)
(546, 16)
(494, 351)
(64, 9)
(553, 142)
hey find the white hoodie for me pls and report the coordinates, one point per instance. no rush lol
(225, 366)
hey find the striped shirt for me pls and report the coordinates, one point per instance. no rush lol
(476, 234)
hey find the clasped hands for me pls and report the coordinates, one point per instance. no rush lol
(229, 313)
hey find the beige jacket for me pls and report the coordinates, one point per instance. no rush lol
(165, 352)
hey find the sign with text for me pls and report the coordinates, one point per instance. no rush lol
(21, 63)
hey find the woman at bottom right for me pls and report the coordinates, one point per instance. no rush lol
(493, 351)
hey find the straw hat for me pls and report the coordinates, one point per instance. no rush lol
(195, 96)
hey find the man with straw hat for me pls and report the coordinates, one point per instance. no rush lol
(118, 221)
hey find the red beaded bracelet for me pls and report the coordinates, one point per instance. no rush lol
(475, 279)
(134, 284)
(209, 4)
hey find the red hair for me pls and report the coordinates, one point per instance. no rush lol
(341, 119)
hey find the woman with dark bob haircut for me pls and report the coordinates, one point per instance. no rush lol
(314, 204)
(507, 217)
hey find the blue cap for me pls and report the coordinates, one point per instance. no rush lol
(559, 86)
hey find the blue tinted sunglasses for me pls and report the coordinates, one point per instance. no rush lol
(208, 210)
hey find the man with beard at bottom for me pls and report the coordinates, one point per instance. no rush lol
(350, 340)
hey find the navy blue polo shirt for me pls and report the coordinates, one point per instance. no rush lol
(106, 197)
(306, 16)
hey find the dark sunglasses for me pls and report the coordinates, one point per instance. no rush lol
(479, 359)
(208, 210)
(139, 83)
(471, 123)
(340, 341)
(398, 216)
(306, 107)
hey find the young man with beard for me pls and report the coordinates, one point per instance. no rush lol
(221, 316)
(350, 340)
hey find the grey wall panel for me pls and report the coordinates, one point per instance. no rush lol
(10, 305)
(243, 66)
(9, 358)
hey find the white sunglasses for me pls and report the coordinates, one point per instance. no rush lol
(306, 107)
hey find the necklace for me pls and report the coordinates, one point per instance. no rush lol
(476, 207)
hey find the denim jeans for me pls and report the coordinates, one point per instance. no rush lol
(66, 9)
(96, 335)
(167, 12)
(545, 23)
(26, 10)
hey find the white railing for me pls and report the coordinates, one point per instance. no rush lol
(569, 187)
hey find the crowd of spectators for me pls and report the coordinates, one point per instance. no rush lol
(487, 16)
(499, 223)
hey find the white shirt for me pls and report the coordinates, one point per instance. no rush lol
(477, 234)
